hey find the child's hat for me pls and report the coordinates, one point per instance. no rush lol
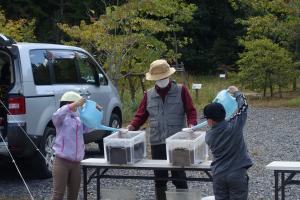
(214, 111)
(70, 96)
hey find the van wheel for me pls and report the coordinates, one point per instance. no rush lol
(115, 122)
(45, 165)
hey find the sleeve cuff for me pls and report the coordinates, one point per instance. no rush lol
(237, 93)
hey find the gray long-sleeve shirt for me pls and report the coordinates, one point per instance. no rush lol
(226, 141)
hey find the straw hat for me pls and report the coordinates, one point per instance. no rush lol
(70, 96)
(159, 69)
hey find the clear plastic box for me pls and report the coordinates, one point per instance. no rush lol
(125, 147)
(186, 148)
(186, 194)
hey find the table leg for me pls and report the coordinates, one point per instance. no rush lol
(84, 183)
(276, 185)
(98, 184)
(282, 186)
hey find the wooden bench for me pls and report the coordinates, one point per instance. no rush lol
(99, 167)
(286, 170)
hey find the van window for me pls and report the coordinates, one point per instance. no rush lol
(89, 71)
(6, 77)
(64, 66)
(40, 67)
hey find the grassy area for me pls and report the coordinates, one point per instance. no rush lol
(210, 87)
(291, 100)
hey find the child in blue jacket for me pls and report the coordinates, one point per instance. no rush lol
(230, 155)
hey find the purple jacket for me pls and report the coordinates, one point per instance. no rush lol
(69, 142)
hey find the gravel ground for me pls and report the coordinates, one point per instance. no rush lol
(271, 134)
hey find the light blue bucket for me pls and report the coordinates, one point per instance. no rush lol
(229, 103)
(92, 117)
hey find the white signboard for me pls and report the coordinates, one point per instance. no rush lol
(196, 86)
(222, 75)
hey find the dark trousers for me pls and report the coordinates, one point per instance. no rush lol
(159, 153)
(231, 186)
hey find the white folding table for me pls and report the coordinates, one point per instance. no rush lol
(99, 167)
(281, 169)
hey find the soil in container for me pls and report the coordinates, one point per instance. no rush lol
(122, 155)
(181, 157)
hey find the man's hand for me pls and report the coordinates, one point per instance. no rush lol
(130, 127)
(232, 89)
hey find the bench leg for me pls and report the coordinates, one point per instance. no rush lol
(98, 184)
(84, 183)
(276, 185)
(282, 186)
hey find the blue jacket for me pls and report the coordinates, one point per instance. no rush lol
(226, 141)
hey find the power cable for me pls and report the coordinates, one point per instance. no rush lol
(13, 160)
(36, 148)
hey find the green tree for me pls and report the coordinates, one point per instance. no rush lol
(278, 21)
(214, 34)
(48, 13)
(125, 38)
(19, 30)
(264, 65)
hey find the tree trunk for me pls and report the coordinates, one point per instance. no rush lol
(280, 91)
(265, 85)
(271, 89)
(142, 83)
(132, 89)
(271, 85)
(123, 89)
(295, 84)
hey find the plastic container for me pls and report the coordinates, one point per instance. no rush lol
(208, 198)
(186, 148)
(117, 194)
(181, 194)
(125, 147)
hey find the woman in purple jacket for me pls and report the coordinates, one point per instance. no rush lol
(68, 146)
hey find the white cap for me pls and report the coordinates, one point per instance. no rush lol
(70, 96)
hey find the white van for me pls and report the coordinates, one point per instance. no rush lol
(33, 77)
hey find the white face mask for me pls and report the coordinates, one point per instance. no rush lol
(162, 83)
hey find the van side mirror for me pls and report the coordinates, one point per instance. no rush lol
(101, 79)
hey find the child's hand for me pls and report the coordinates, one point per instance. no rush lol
(232, 89)
(76, 104)
(80, 102)
(99, 107)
